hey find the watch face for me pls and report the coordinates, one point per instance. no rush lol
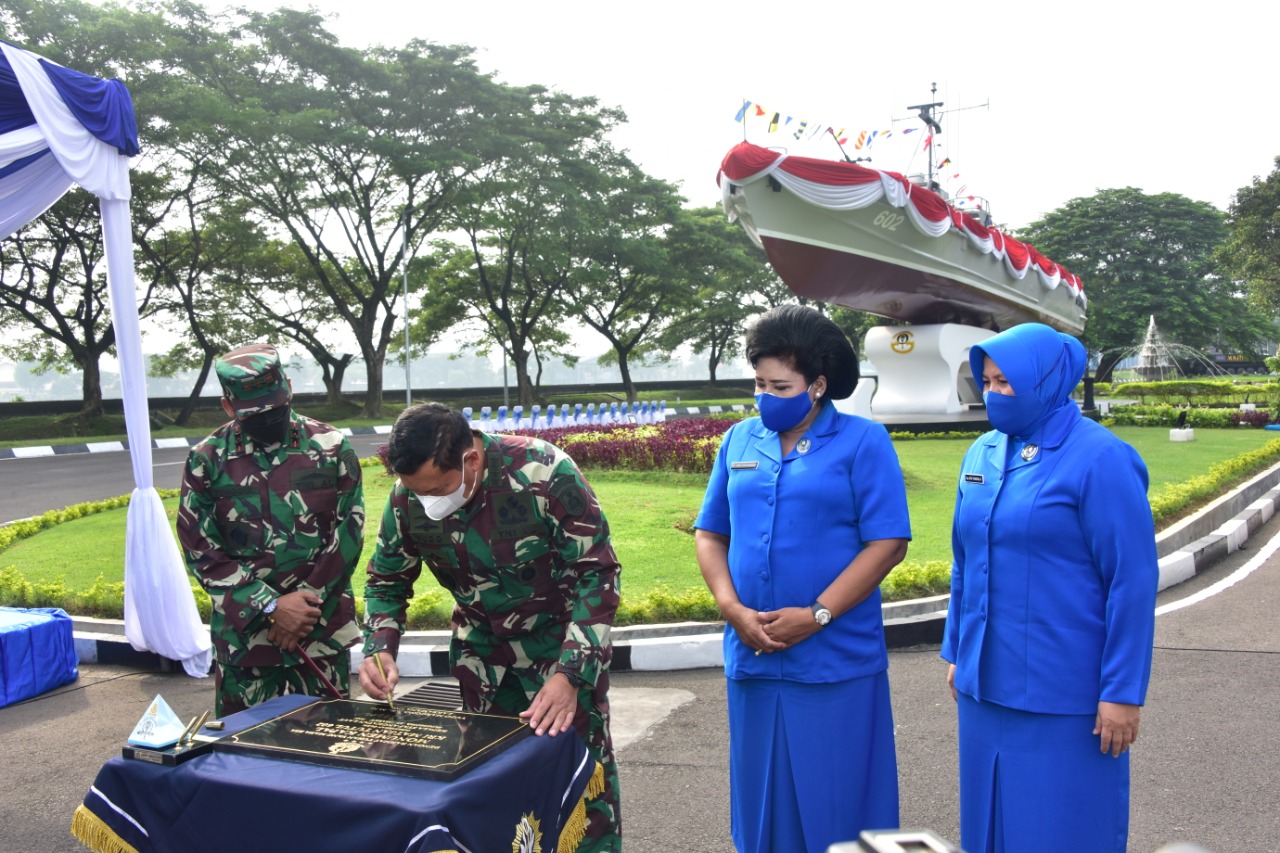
(822, 615)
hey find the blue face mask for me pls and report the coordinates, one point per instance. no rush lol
(1015, 415)
(783, 413)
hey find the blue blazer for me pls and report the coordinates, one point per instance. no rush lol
(794, 524)
(1054, 578)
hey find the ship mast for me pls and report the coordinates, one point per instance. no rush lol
(926, 116)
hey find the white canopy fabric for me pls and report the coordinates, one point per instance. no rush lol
(58, 128)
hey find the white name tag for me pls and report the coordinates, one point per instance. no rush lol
(743, 466)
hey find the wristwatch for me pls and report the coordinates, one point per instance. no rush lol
(821, 615)
(270, 608)
(575, 679)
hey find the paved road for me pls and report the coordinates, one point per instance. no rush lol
(1206, 770)
(33, 486)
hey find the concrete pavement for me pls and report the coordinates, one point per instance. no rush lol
(1206, 768)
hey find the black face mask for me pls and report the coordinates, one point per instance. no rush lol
(269, 427)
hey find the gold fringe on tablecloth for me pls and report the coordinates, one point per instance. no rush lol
(92, 832)
(575, 828)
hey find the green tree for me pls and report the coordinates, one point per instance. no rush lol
(182, 248)
(730, 280)
(527, 226)
(632, 288)
(1142, 255)
(349, 154)
(54, 300)
(1251, 254)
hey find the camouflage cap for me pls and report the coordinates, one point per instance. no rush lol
(253, 379)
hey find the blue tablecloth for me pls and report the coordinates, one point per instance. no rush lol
(37, 652)
(227, 801)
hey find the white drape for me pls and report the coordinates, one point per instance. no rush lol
(160, 612)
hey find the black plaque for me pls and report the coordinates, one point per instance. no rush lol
(424, 742)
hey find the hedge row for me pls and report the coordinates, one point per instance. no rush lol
(1170, 501)
(1205, 392)
(1196, 417)
(11, 533)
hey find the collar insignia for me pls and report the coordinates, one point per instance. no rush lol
(1029, 452)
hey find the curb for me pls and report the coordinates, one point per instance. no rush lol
(192, 441)
(1230, 520)
(156, 444)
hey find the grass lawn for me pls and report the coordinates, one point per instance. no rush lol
(650, 513)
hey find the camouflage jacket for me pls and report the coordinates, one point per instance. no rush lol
(529, 563)
(255, 524)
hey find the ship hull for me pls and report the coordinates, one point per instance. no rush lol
(876, 257)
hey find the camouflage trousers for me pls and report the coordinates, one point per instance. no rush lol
(514, 692)
(239, 687)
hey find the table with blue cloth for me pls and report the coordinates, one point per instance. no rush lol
(37, 652)
(531, 796)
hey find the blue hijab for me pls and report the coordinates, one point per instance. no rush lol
(1043, 368)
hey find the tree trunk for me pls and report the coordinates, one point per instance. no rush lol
(91, 387)
(189, 407)
(333, 381)
(1105, 366)
(537, 379)
(625, 369)
(373, 393)
(524, 387)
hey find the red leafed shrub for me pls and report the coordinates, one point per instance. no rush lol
(1257, 418)
(689, 444)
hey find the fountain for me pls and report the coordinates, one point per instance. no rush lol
(1154, 360)
(1157, 359)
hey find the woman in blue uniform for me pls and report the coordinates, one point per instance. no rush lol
(805, 513)
(1052, 612)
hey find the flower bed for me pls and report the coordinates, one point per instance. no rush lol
(688, 444)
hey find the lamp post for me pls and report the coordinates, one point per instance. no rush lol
(404, 269)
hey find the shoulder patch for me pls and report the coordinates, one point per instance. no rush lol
(569, 495)
(351, 462)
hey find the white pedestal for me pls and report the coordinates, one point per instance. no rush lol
(924, 370)
(858, 403)
(1185, 434)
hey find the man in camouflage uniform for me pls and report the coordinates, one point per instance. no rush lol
(509, 526)
(272, 525)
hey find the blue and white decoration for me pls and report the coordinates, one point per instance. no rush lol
(58, 128)
(578, 415)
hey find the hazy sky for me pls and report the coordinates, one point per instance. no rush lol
(1082, 96)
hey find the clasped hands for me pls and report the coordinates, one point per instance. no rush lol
(295, 615)
(773, 630)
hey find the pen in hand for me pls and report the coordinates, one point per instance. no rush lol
(377, 659)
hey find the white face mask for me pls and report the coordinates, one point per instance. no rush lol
(439, 507)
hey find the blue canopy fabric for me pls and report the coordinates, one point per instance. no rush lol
(59, 128)
(103, 107)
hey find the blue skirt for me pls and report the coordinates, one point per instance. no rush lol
(810, 765)
(1038, 782)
